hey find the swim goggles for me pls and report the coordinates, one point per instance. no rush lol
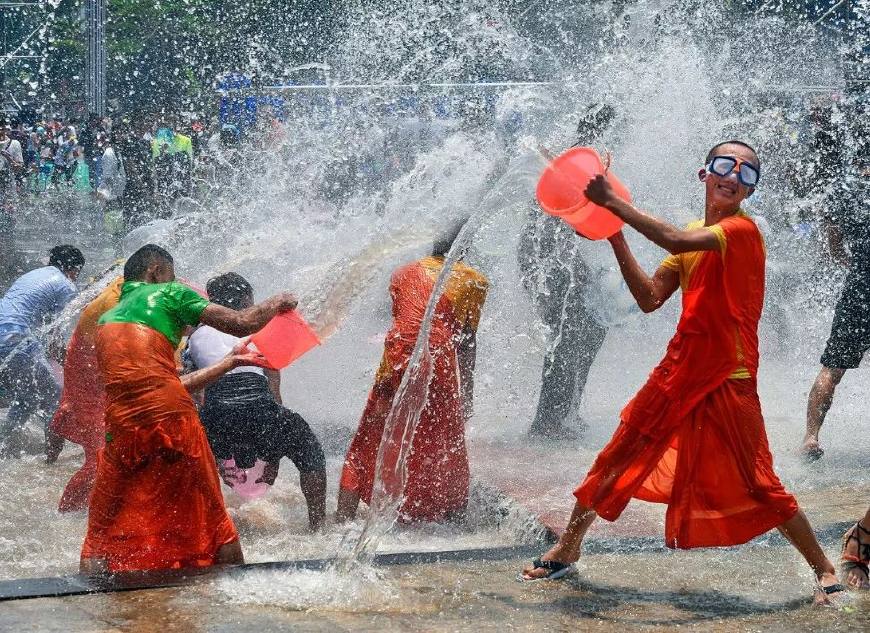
(747, 173)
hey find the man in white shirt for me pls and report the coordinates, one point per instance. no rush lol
(243, 415)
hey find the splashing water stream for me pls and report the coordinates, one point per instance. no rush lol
(356, 189)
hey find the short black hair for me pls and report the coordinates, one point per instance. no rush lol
(139, 261)
(230, 290)
(716, 147)
(66, 257)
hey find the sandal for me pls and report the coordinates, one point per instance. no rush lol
(861, 562)
(837, 591)
(556, 570)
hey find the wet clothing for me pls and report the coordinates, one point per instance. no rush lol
(686, 263)
(556, 276)
(168, 308)
(693, 437)
(157, 502)
(243, 422)
(80, 416)
(848, 208)
(240, 415)
(32, 298)
(25, 372)
(437, 465)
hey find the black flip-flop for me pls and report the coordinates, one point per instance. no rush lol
(557, 570)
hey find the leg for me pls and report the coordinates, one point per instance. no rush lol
(579, 336)
(304, 449)
(821, 397)
(230, 554)
(856, 554)
(567, 550)
(799, 532)
(314, 488)
(562, 364)
(348, 502)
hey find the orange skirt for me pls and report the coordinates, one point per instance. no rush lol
(79, 418)
(438, 472)
(713, 469)
(157, 501)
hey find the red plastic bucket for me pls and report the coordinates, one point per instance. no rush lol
(560, 193)
(284, 339)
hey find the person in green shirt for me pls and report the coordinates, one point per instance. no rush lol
(157, 502)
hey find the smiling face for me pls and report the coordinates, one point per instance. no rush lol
(726, 193)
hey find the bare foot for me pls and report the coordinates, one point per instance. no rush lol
(558, 553)
(829, 592)
(811, 450)
(855, 557)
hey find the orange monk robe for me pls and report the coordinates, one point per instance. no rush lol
(438, 472)
(157, 502)
(79, 418)
(693, 437)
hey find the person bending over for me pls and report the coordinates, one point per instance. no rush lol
(242, 414)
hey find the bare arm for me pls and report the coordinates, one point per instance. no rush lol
(657, 231)
(202, 378)
(247, 321)
(273, 377)
(649, 292)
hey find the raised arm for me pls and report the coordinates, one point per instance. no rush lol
(666, 235)
(649, 292)
(247, 321)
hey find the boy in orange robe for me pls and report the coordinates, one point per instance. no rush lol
(693, 437)
(79, 418)
(157, 502)
(438, 472)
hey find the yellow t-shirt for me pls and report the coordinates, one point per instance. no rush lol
(685, 264)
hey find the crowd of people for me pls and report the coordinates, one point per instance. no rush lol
(132, 168)
(158, 423)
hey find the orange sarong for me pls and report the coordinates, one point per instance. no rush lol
(157, 501)
(79, 418)
(693, 437)
(438, 471)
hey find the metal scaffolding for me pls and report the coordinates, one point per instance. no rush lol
(95, 28)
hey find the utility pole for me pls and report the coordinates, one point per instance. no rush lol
(95, 28)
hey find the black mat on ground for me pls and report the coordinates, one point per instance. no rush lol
(77, 585)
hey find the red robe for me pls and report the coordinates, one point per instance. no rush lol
(79, 418)
(437, 466)
(157, 501)
(693, 437)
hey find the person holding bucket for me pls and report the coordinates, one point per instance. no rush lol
(157, 502)
(693, 437)
(243, 415)
(554, 272)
